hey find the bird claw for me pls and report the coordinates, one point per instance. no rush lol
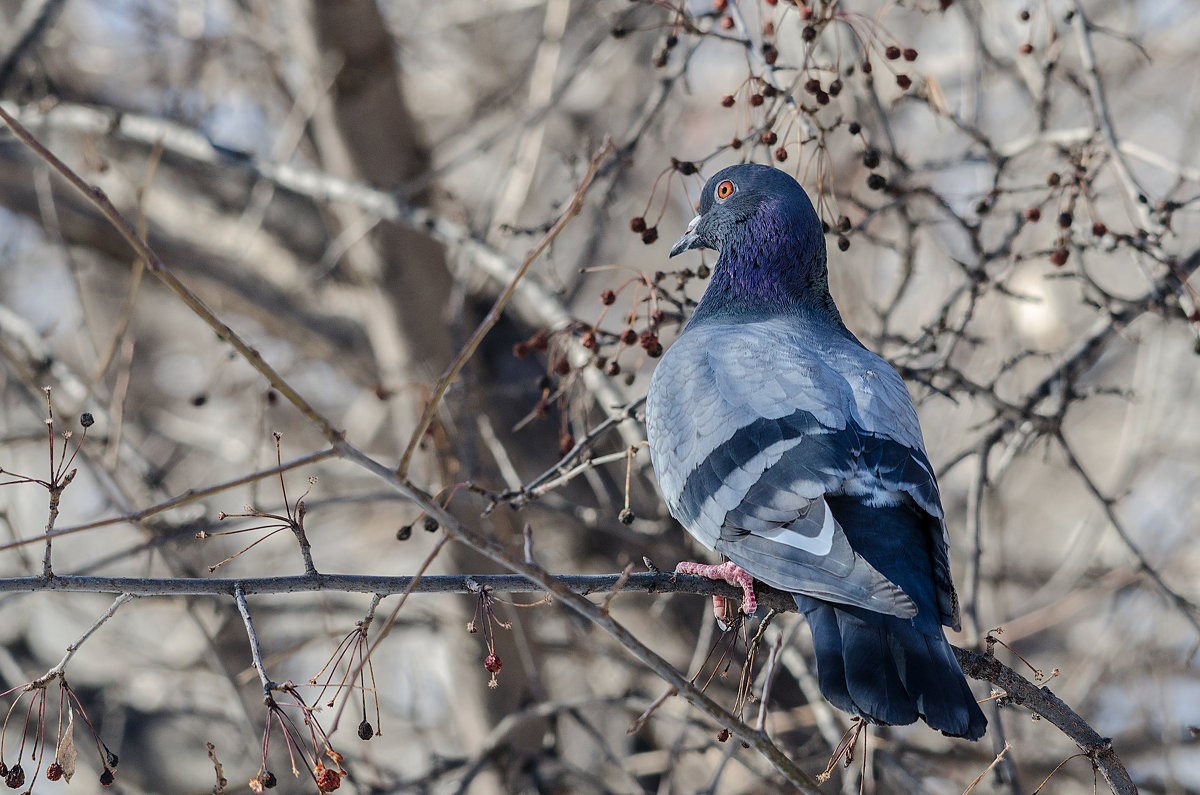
(731, 573)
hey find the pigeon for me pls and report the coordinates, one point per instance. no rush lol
(785, 445)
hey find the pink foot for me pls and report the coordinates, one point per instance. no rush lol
(731, 573)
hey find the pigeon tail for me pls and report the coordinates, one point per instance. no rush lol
(885, 670)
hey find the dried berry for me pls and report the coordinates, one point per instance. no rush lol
(892, 52)
(812, 85)
(106, 778)
(612, 368)
(1099, 229)
(770, 54)
(268, 779)
(15, 777)
(727, 101)
(637, 224)
(365, 730)
(736, 143)
(866, 67)
(588, 340)
(756, 99)
(539, 342)
(86, 419)
(492, 663)
(720, 5)
(843, 242)
(835, 87)
(727, 23)
(854, 128)
(876, 182)
(769, 137)
(521, 350)
(904, 81)
(724, 735)
(1023, 15)
(809, 33)
(328, 779)
(618, 32)
(562, 367)
(629, 336)
(650, 235)
(1025, 49)
(703, 272)
(822, 98)
(1053, 178)
(1033, 214)
(909, 54)
(625, 516)
(658, 315)
(781, 154)
(843, 223)
(404, 533)
(54, 772)
(871, 158)
(1059, 256)
(1064, 220)
(685, 167)
(430, 524)
(647, 339)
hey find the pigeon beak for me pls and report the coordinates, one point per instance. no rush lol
(689, 239)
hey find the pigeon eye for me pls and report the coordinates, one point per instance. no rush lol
(725, 190)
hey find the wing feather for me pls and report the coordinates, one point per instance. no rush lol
(751, 425)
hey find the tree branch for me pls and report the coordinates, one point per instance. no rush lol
(983, 667)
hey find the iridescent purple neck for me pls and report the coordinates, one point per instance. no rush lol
(774, 265)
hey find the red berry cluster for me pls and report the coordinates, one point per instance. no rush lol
(1067, 191)
(311, 752)
(35, 722)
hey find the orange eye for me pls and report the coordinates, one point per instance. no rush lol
(725, 190)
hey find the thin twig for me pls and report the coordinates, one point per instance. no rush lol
(768, 679)
(413, 585)
(1188, 608)
(58, 669)
(493, 315)
(239, 594)
(193, 302)
(189, 496)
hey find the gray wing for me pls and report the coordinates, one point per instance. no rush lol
(750, 426)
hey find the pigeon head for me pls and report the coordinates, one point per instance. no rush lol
(772, 249)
